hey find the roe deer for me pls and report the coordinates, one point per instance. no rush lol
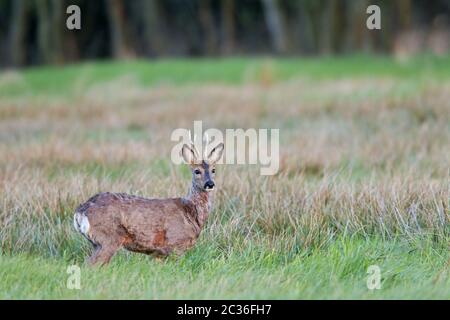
(159, 227)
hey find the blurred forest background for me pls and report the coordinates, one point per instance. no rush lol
(34, 31)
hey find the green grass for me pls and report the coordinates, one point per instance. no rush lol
(408, 270)
(73, 79)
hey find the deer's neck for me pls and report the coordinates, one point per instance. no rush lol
(202, 201)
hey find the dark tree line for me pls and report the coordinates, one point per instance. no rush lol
(34, 31)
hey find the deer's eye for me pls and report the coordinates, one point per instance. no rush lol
(197, 171)
(213, 170)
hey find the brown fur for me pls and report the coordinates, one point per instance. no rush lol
(150, 226)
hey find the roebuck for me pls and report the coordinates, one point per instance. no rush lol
(111, 221)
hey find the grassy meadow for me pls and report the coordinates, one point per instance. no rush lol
(363, 179)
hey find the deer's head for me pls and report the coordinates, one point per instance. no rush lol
(203, 170)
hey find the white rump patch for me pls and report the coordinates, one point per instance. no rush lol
(81, 223)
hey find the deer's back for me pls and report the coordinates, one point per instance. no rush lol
(140, 224)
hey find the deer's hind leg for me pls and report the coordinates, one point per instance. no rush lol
(105, 246)
(107, 241)
(103, 253)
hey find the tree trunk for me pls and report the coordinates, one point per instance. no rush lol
(43, 34)
(313, 12)
(17, 35)
(227, 26)
(304, 28)
(404, 11)
(275, 25)
(208, 27)
(358, 37)
(116, 27)
(151, 26)
(337, 29)
(50, 25)
(57, 26)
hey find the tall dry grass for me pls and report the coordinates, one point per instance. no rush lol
(366, 157)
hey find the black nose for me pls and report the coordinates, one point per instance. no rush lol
(209, 185)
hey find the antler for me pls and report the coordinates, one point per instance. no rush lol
(190, 138)
(206, 141)
(192, 142)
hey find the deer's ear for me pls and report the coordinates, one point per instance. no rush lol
(216, 153)
(189, 154)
